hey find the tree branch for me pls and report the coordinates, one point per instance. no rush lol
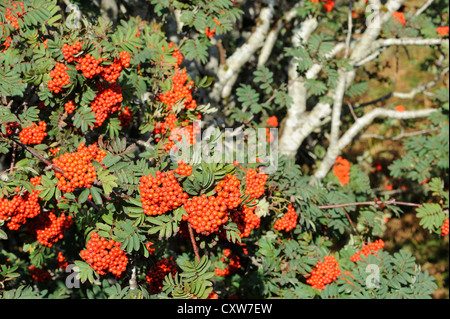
(376, 203)
(349, 28)
(194, 244)
(408, 41)
(423, 8)
(38, 156)
(354, 130)
(291, 140)
(272, 37)
(227, 74)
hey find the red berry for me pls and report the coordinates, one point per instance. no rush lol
(324, 273)
(104, 255)
(59, 77)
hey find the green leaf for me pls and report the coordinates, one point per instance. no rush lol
(84, 195)
(96, 195)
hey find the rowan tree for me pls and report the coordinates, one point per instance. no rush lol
(100, 104)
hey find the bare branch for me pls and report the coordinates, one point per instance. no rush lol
(408, 41)
(38, 156)
(354, 130)
(421, 88)
(349, 29)
(423, 8)
(272, 37)
(291, 139)
(399, 136)
(227, 74)
(376, 203)
(194, 244)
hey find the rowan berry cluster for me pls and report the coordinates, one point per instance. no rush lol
(400, 108)
(269, 135)
(13, 15)
(59, 77)
(10, 126)
(104, 255)
(370, 248)
(255, 183)
(69, 51)
(246, 220)
(21, 207)
(272, 121)
(206, 214)
(55, 151)
(444, 229)
(125, 116)
(156, 275)
(170, 122)
(161, 193)
(33, 134)
(176, 54)
(111, 72)
(149, 248)
(78, 169)
(62, 261)
(49, 229)
(5, 44)
(233, 266)
(341, 170)
(210, 33)
(39, 274)
(181, 89)
(399, 17)
(289, 220)
(183, 169)
(226, 253)
(107, 101)
(160, 128)
(89, 65)
(324, 273)
(69, 107)
(189, 132)
(442, 30)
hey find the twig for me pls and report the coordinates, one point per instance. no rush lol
(350, 220)
(371, 203)
(350, 106)
(354, 130)
(13, 157)
(92, 204)
(38, 156)
(222, 58)
(194, 245)
(423, 8)
(350, 29)
(399, 136)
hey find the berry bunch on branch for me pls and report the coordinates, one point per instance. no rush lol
(79, 172)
